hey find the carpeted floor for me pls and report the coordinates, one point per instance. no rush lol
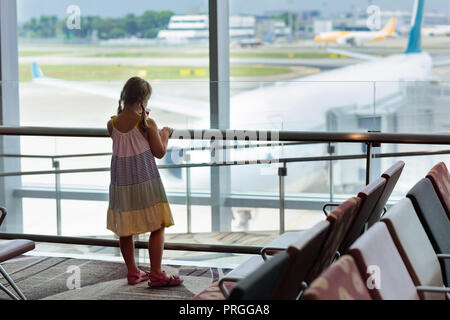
(57, 279)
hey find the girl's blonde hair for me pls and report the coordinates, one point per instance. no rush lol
(135, 90)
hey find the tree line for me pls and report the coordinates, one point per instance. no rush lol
(146, 25)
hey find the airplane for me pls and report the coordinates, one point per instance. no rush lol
(356, 38)
(299, 105)
(442, 30)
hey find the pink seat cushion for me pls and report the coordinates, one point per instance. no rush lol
(14, 248)
(377, 258)
(440, 178)
(213, 292)
(369, 195)
(340, 220)
(341, 281)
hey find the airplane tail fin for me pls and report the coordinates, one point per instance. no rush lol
(414, 44)
(389, 28)
(175, 172)
(36, 71)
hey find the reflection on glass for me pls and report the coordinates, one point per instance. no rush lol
(73, 61)
(283, 77)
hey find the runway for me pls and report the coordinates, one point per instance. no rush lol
(323, 64)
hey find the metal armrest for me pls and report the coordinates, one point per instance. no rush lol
(330, 204)
(3, 214)
(222, 287)
(337, 255)
(303, 287)
(270, 251)
(281, 243)
(433, 289)
(240, 272)
(384, 211)
(443, 256)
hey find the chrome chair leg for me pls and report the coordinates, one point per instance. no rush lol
(9, 293)
(12, 283)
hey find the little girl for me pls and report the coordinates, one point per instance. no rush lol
(137, 199)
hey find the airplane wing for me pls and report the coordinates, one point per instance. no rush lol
(352, 54)
(184, 106)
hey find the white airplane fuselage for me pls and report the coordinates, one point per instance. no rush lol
(301, 105)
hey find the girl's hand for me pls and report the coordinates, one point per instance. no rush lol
(168, 130)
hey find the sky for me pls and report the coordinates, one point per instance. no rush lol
(116, 8)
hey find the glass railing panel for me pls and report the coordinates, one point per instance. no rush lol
(254, 201)
(416, 168)
(299, 105)
(412, 106)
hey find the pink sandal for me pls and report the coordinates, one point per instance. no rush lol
(137, 277)
(161, 281)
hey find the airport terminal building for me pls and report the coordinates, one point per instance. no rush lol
(260, 164)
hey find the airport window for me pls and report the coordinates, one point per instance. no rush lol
(312, 67)
(293, 65)
(74, 59)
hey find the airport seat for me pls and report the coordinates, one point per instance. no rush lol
(341, 281)
(340, 220)
(382, 267)
(240, 272)
(440, 178)
(262, 283)
(392, 174)
(391, 278)
(434, 220)
(213, 292)
(369, 196)
(414, 247)
(281, 243)
(9, 250)
(302, 254)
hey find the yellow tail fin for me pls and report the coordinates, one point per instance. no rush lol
(389, 28)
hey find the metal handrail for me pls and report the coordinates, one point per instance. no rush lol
(80, 155)
(370, 139)
(238, 249)
(249, 135)
(239, 162)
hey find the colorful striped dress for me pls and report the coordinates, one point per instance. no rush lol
(137, 199)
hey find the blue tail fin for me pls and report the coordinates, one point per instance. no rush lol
(414, 44)
(36, 71)
(175, 172)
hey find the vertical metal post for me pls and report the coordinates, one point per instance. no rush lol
(219, 69)
(187, 158)
(13, 284)
(9, 114)
(330, 152)
(282, 172)
(57, 197)
(368, 160)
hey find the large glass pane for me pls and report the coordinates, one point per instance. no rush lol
(284, 76)
(74, 58)
(91, 50)
(335, 67)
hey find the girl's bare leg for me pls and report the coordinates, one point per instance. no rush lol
(155, 250)
(127, 249)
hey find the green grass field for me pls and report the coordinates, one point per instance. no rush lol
(118, 72)
(39, 53)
